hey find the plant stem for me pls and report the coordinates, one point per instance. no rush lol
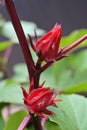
(37, 75)
(32, 69)
(21, 36)
(37, 123)
(69, 48)
(44, 67)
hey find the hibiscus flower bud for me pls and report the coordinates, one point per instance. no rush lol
(47, 47)
(39, 99)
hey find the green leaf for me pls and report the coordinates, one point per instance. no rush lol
(30, 127)
(28, 27)
(49, 78)
(2, 105)
(52, 126)
(10, 92)
(4, 45)
(71, 113)
(15, 120)
(75, 35)
(70, 74)
(1, 122)
(20, 73)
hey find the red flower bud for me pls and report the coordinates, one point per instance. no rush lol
(47, 47)
(39, 99)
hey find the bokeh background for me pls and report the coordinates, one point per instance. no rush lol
(72, 14)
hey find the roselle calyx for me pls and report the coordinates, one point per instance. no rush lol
(47, 47)
(39, 99)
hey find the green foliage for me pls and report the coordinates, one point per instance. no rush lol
(71, 113)
(20, 73)
(75, 35)
(51, 126)
(71, 73)
(4, 45)
(1, 122)
(10, 92)
(28, 27)
(15, 120)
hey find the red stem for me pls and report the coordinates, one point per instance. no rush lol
(21, 36)
(44, 67)
(37, 123)
(69, 48)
